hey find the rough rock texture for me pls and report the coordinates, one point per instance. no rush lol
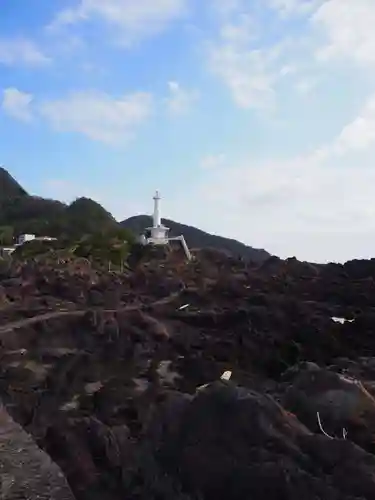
(103, 369)
(231, 442)
(25, 470)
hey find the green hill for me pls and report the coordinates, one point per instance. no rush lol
(21, 212)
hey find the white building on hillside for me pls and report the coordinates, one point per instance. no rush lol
(24, 238)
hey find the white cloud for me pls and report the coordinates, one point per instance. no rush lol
(132, 19)
(212, 161)
(17, 104)
(288, 69)
(294, 7)
(180, 100)
(246, 73)
(349, 27)
(305, 85)
(238, 29)
(249, 68)
(21, 51)
(96, 115)
(355, 137)
(225, 7)
(99, 116)
(360, 133)
(319, 204)
(251, 57)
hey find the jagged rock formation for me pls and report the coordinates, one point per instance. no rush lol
(102, 370)
(233, 442)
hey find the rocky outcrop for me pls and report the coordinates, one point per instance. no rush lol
(25, 470)
(233, 442)
(102, 370)
(339, 402)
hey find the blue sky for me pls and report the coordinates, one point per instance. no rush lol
(255, 118)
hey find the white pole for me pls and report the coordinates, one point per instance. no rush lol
(156, 217)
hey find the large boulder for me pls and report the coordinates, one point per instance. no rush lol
(229, 442)
(335, 403)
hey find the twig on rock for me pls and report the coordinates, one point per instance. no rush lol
(344, 431)
(321, 427)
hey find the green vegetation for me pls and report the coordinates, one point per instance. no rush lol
(6, 235)
(83, 228)
(89, 228)
(30, 214)
(108, 246)
(102, 248)
(23, 213)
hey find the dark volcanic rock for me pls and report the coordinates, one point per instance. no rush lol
(25, 470)
(343, 404)
(232, 442)
(102, 369)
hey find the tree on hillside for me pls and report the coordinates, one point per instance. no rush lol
(6, 235)
(85, 216)
(29, 214)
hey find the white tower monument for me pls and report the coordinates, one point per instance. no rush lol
(158, 233)
(156, 217)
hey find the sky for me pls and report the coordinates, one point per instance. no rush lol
(254, 118)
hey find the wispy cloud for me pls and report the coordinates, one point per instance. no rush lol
(322, 196)
(246, 66)
(288, 8)
(180, 99)
(21, 52)
(131, 20)
(17, 104)
(246, 73)
(360, 133)
(212, 161)
(348, 27)
(306, 85)
(98, 115)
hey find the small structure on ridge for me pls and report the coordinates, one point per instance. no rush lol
(158, 233)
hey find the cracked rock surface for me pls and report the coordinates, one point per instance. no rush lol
(99, 375)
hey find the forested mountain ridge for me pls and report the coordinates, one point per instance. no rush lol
(21, 212)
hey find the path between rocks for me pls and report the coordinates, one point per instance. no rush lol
(57, 314)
